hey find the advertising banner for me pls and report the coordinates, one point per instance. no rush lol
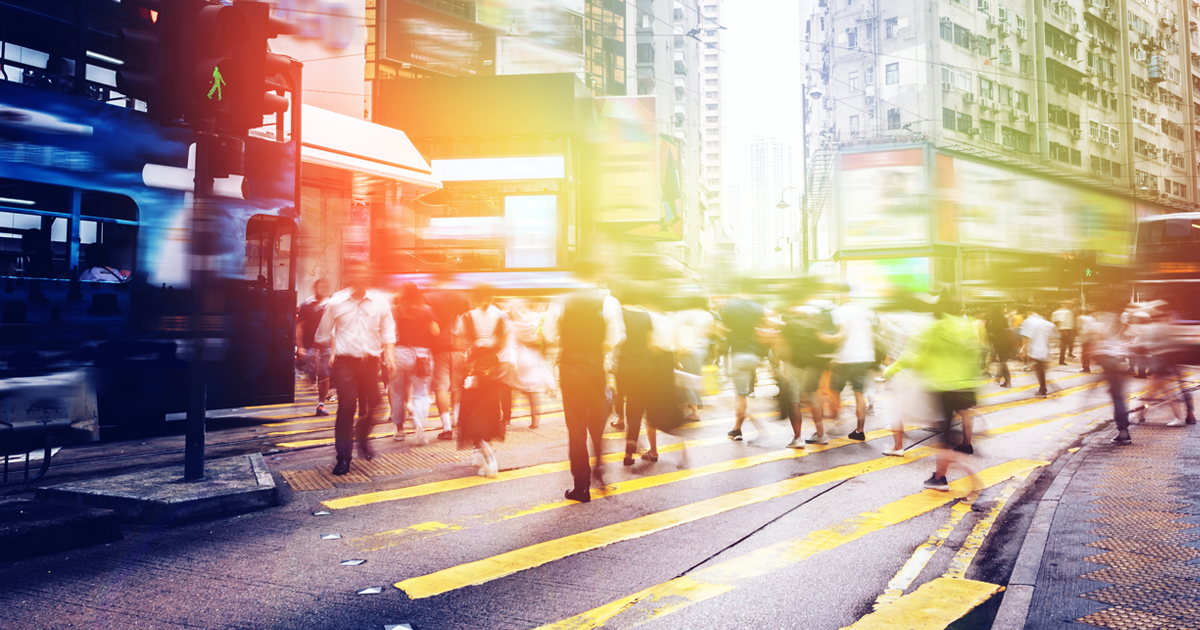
(436, 41)
(626, 175)
(884, 199)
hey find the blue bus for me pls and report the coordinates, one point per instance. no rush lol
(95, 218)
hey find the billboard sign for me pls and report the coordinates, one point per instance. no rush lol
(884, 199)
(626, 169)
(435, 41)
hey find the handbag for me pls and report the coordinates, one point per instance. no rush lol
(421, 366)
(483, 362)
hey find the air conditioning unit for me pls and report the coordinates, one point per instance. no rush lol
(947, 86)
(1005, 29)
(1061, 84)
(1076, 134)
(1074, 28)
(968, 97)
(1115, 144)
(974, 131)
(984, 6)
(946, 20)
(1022, 34)
(986, 104)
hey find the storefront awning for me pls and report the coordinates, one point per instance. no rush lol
(347, 143)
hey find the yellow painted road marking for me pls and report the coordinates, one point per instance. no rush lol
(383, 540)
(921, 557)
(673, 595)
(496, 567)
(934, 606)
(970, 547)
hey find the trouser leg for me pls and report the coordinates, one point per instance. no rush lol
(368, 398)
(575, 413)
(1039, 367)
(345, 376)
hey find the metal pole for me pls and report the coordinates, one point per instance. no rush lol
(804, 176)
(193, 454)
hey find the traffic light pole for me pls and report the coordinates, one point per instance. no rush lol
(197, 408)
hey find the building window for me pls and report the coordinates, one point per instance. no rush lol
(645, 53)
(710, 83)
(1101, 166)
(852, 79)
(712, 144)
(964, 123)
(852, 37)
(713, 170)
(1006, 95)
(889, 28)
(710, 119)
(1014, 139)
(854, 124)
(713, 157)
(710, 9)
(710, 33)
(987, 130)
(711, 106)
(1023, 101)
(710, 70)
(710, 58)
(714, 182)
(870, 75)
(1005, 56)
(986, 88)
(891, 73)
(947, 31)
(1026, 63)
(893, 119)
(949, 119)
(711, 94)
(712, 131)
(962, 37)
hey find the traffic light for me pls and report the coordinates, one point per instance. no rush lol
(149, 58)
(205, 59)
(258, 72)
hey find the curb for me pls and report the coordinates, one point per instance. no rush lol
(1014, 608)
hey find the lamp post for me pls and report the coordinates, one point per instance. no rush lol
(791, 266)
(805, 94)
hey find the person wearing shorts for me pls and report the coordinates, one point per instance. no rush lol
(855, 359)
(742, 317)
(315, 357)
(448, 305)
(806, 349)
(947, 356)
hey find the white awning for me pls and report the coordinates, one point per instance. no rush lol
(347, 143)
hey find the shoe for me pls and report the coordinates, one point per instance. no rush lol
(1063, 362)
(331, 398)
(1085, 371)
(1042, 394)
(582, 497)
(797, 442)
(628, 461)
(446, 435)
(598, 475)
(857, 435)
(816, 439)
(1190, 420)
(535, 424)
(750, 395)
(490, 469)
(1122, 438)
(1177, 423)
(343, 467)
(321, 410)
(364, 451)
(895, 452)
(1006, 384)
(965, 448)
(398, 436)
(649, 456)
(735, 435)
(935, 482)
(620, 426)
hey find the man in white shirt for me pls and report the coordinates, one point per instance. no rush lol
(359, 326)
(1064, 319)
(854, 360)
(1037, 333)
(586, 325)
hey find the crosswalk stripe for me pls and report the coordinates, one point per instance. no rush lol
(438, 487)
(933, 606)
(496, 567)
(383, 540)
(674, 595)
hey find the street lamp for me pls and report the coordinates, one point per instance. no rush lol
(806, 94)
(791, 266)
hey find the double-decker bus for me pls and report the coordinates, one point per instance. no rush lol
(95, 218)
(1167, 262)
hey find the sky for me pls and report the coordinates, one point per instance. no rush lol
(762, 74)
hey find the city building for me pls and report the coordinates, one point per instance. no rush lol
(759, 225)
(1095, 95)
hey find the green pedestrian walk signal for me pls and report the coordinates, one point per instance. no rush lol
(217, 83)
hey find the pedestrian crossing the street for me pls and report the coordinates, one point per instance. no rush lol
(652, 501)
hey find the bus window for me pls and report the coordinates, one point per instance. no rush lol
(269, 252)
(1178, 235)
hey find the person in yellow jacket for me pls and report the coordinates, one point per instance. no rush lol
(947, 356)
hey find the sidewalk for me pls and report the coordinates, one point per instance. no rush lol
(1115, 541)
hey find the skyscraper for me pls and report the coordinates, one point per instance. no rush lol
(760, 226)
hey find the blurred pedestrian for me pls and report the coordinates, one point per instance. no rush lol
(743, 318)
(1088, 331)
(807, 350)
(314, 356)
(947, 356)
(449, 357)
(484, 330)
(1037, 333)
(586, 325)
(1000, 336)
(358, 325)
(855, 358)
(633, 370)
(532, 374)
(694, 326)
(1161, 349)
(1064, 320)
(415, 332)
(1108, 349)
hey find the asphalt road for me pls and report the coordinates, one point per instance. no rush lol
(746, 535)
